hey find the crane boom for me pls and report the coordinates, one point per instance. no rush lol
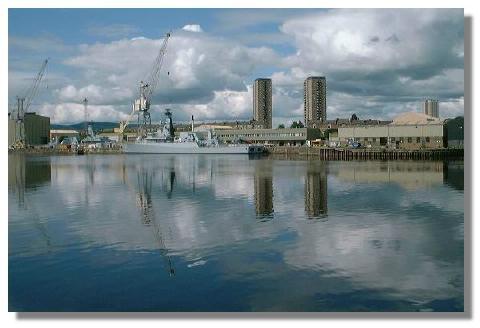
(142, 104)
(123, 124)
(155, 72)
(23, 104)
(33, 90)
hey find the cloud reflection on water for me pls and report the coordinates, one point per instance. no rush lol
(372, 232)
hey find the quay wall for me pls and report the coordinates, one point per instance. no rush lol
(366, 154)
(296, 151)
(64, 151)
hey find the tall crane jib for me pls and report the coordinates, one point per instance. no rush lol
(24, 102)
(141, 105)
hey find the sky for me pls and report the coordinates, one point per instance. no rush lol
(377, 62)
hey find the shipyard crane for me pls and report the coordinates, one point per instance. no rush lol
(141, 106)
(23, 104)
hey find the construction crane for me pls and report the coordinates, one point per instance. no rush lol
(141, 106)
(23, 104)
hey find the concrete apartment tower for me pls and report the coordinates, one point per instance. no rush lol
(262, 102)
(315, 101)
(430, 107)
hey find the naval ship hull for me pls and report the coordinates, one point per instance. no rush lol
(189, 148)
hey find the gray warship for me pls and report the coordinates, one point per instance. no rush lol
(200, 141)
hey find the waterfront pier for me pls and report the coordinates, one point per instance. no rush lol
(366, 154)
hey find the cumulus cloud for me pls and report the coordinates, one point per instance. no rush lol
(68, 112)
(192, 28)
(384, 60)
(452, 108)
(226, 104)
(94, 93)
(378, 63)
(198, 70)
(373, 40)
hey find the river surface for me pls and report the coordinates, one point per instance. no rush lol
(232, 233)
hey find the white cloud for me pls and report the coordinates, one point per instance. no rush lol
(226, 104)
(200, 71)
(69, 112)
(192, 28)
(95, 94)
(452, 108)
(372, 40)
(377, 63)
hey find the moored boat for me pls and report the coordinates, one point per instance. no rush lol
(163, 141)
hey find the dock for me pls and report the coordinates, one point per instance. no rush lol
(346, 154)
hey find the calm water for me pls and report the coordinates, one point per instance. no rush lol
(229, 233)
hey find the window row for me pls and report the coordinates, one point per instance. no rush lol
(399, 139)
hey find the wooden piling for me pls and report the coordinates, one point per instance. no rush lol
(346, 154)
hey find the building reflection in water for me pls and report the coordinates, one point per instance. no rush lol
(16, 176)
(316, 190)
(27, 173)
(170, 181)
(145, 177)
(412, 175)
(263, 190)
(453, 174)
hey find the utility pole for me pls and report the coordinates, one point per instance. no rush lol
(20, 130)
(85, 113)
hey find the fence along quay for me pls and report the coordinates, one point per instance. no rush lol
(367, 154)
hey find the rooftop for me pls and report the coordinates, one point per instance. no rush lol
(64, 131)
(412, 118)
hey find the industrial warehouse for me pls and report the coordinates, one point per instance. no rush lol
(407, 131)
(35, 129)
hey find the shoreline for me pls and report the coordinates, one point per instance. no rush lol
(348, 154)
(291, 152)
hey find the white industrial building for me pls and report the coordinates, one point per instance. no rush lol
(407, 131)
(281, 137)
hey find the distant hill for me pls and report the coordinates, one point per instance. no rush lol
(97, 126)
(80, 126)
